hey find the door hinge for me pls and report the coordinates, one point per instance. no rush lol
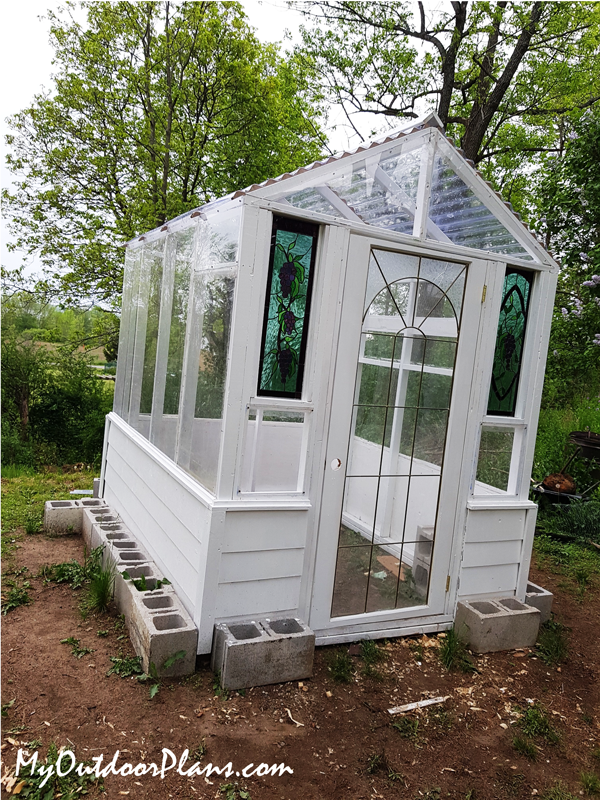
(483, 294)
(448, 583)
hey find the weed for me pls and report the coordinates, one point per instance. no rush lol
(557, 792)
(376, 763)
(125, 667)
(407, 727)
(72, 572)
(141, 584)
(198, 753)
(233, 791)
(396, 776)
(219, 690)
(341, 668)
(33, 744)
(99, 591)
(16, 596)
(524, 747)
(152, 675)
(76, 650)
(430, 794)
(534, 722)
(453, 653)
(102, 634)
(567, 558)
(43, 782)
(590, 783)
(33, 524)
(580, 521)
(596, 753)
(6, 706)
(370, 652)
(552, 646)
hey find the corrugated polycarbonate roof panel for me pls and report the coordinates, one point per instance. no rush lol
(465, 220)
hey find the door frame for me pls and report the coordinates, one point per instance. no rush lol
(450, 519)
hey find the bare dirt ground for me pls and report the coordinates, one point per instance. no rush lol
(344, 745)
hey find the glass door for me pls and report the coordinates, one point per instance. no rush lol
(389, 495)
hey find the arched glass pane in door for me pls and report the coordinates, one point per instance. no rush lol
(400, 418)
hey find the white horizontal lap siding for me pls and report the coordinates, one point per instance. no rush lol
(169, 522)
(492, 553)
(261, 563)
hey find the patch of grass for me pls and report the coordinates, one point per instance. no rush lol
(430, 794)
(341, 667)
(591, 783)
(76, 650)
(33, 524)
(453, 653)
(24, 493)
(416, 648)
(558, 792)
(125, 667)
(46, 784)
(579, 521)
(98, 593)
(16, 596)
(568, 558)
(596, 753)
(440, 718)
(552, 645)
(371, 654)
(534, 721)
(524, 747)
(407, 727)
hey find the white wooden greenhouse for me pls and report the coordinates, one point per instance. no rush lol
(327, 394)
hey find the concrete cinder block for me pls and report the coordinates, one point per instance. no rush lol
(159, 628)
(541, 599)
(96, 488)
(259, 653)
(491, 625)
(63, 516)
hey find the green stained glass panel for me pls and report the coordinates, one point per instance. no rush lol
(285, 328)
(510, 341)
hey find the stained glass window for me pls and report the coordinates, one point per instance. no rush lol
(287, 307)
(510, 341)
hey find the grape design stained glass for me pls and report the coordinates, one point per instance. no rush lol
(285, 328)
(510, 340)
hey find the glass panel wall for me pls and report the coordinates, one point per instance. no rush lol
(174, 341)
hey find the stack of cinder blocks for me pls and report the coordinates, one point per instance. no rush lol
(158, 624)
(252, 653)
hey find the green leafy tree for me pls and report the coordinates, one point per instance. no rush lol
(570, 196)
(501, 76)
(157, 108)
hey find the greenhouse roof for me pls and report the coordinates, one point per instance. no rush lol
(412, 181)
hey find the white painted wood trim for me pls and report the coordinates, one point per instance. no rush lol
(164, 333)
(526, 551)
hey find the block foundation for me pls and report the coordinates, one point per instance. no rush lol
(488, 626)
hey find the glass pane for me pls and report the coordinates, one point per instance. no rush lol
(154, 255)
(510, 341)
(360, 503)
(133, 260)
(493, 463)
(351, 580)
(393, 266)
(214, 309)
(428, 390)
(223, 238)
(293, 251)
(183, 262)
(273, 454)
